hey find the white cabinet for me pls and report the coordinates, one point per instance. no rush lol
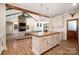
(39, 45)
(43, 47)
(57, 21)
(51, 41)
(44, 43)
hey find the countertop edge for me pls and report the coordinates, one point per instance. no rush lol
(45, 34)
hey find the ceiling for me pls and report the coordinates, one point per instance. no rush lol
(53, 8)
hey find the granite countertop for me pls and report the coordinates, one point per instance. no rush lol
(40, 34)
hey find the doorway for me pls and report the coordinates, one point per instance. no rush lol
(72, 30)
(9, 28)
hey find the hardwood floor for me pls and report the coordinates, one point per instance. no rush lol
(64, 48)
(23, 47)
(17, 46)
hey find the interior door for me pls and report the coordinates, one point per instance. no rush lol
(72, 30)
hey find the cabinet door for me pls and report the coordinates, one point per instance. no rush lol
(43, 45)
(56, 39)
(51, 41)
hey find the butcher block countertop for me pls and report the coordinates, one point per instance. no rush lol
(40, 34)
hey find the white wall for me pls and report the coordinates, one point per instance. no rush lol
(68, 17)
(56, 23)
(59, 22)
(31, 23)
(9, 28)
(3, 24)
(14, 20)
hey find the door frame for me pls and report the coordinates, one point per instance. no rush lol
(77, 25)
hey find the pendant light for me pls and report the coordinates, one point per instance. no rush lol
(41, 17)
(47, 9)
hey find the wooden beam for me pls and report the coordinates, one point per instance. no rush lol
(8, 7)
(25, 10)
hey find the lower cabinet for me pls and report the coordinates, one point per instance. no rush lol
(44, 43)
(43, 47)
(51, 41)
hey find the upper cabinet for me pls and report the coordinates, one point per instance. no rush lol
(57, 21)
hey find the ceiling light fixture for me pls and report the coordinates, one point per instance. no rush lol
(47, 11)
(74, 4)
(41, 17)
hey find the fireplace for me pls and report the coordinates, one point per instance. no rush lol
(22, 26)
(22, 23)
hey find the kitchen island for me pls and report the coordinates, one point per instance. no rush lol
(43, 41)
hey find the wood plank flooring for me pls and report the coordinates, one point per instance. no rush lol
(23, 47)
(64, 48)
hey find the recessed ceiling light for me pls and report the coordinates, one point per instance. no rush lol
(74, 4)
